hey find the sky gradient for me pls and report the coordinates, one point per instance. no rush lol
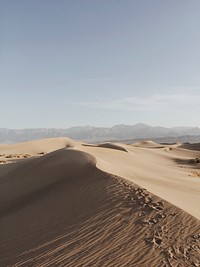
(89, 62)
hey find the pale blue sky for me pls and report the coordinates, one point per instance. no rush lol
(99, 62)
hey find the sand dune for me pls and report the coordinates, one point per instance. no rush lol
(156, 170)
(80, 205)
(38, 146)
(148, 144)
(108, 145)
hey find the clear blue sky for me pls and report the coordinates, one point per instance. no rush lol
(98, 62)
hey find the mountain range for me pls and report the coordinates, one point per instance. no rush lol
(121, 132)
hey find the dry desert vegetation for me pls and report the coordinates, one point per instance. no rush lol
(65, 203)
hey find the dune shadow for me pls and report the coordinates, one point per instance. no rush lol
(108, 145)
(191, 163)
(195, 146)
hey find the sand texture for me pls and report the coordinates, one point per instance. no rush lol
(64, 203)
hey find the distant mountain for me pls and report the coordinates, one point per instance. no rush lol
(97, 134)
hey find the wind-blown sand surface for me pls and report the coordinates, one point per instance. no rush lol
(73, 204)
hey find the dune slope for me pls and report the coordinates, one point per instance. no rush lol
(163, 170)
(61, 210)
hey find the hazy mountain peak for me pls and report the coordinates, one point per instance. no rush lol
(92, 134)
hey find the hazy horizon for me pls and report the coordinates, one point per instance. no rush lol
(103, 126)
(101, 63)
